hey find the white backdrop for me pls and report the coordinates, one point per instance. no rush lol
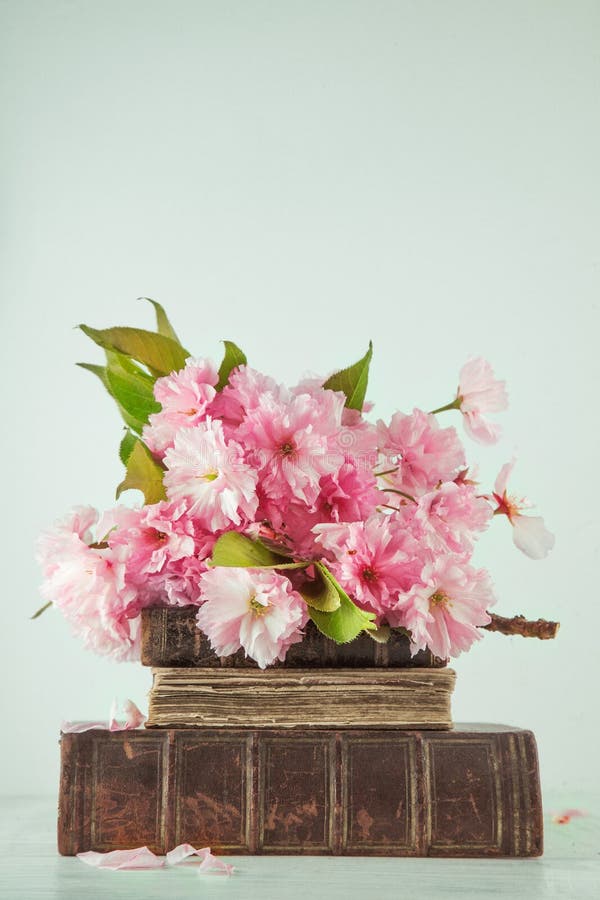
(299, 177)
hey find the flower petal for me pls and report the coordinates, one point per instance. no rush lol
(140, 858)
(532, 537)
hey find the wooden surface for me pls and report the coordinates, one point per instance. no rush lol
(570, 869)
(301, 698)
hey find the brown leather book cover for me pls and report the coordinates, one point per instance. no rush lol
(301, 698)
(171, 639)
(470, 792)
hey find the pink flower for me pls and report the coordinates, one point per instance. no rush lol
(444, 609)
(530, 534)
(184, 397)
(210, 475)
(242, 395)
(87, 584)
(374, 561)
(452, 515)
(480, 392)
(253, 609)
(290, 444)
(422, 452)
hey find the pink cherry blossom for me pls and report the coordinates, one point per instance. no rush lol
(242, 395)
(184, 397)
(211, 476)
(290, 444)
(452, 516)
(419, 452)
(444, 609)
(480, 392)
(530, 534)
(87, 584)
(251, 608)
(374, 561)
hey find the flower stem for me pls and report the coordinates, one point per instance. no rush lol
(41, 610)
(394, 491)
(454, 405)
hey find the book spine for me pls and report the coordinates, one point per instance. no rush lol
(170, 638)
(366, 793)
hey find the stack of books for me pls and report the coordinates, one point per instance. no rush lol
(340, 750)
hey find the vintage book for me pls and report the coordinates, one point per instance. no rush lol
(301, 698)
(171, 638)
(473, 791)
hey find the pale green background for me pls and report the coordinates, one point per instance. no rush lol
(299, 177)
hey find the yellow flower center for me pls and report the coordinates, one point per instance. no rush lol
(440, 598)
(258, 608)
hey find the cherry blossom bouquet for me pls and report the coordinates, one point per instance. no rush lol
(266, 506)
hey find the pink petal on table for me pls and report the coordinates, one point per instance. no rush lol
(564, 817)
(79, 727)
(140, 858)
(214, 865)
(208, 862)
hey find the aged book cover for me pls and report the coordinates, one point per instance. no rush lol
(471, 792)
(301, 698)
(171, 639)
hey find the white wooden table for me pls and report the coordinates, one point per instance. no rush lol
(31, 869)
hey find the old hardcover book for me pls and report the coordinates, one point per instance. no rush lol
(471, 792)
(301, 698)
(171, 638)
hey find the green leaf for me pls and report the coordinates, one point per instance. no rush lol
(41, 610)
(381, 634)
(239, 551)
(233, 358)
(102, 373)
(126, 447)
(133, 393)
(353, 381)
(162, 355)
(346, 622)
(143, 474)
(99, 371)
(320, 593)
(163, 326)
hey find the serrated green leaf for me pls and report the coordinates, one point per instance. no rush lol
(381, 634)
(133, 393)
(160, 354)
(353, 381)
(102, 373)
(163, 326)
(238, 551)
(99, 371)
(346, 622)
(233, 358)
(320, 593)
(144, 474)
(126, 447)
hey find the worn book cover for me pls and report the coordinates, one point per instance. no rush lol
(301, 698)
(471, 792)
(171, 639)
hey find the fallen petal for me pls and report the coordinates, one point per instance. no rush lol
(564, 817)
(134, 717)
(213, 865)
(140, 858)
(79, 727)
(181, 852)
